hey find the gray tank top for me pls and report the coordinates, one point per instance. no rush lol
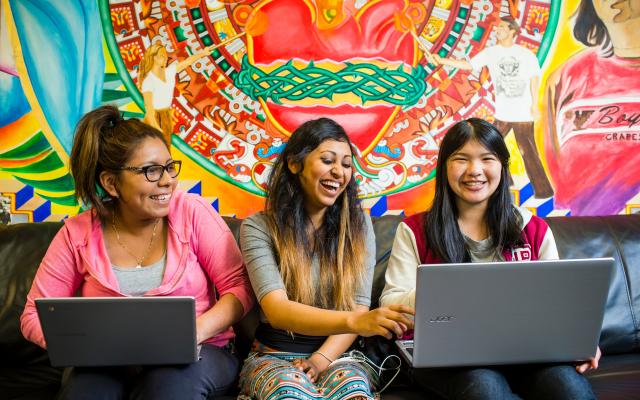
(482, 250)
(138, 281)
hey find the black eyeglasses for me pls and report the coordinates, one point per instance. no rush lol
(154, 172)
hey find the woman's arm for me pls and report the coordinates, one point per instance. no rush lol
(282, 313)
(331, 349)
(285, 314)
(219, 256)
(400, 278)
(57, 276)
(182, 65)
(227, 311)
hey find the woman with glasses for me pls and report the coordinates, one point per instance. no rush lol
(143, 237)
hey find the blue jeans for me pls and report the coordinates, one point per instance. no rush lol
(506, 382)
(212, 376)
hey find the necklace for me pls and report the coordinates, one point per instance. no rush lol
(139, 261)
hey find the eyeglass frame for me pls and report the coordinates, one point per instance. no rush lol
(144, 170)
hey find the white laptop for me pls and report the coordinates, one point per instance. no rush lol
(104, 331)
(476, 314)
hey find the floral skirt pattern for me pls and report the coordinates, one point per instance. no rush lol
(268, 374)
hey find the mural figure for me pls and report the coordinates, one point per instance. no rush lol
(593, 121)
(157, 82)
(515, 73)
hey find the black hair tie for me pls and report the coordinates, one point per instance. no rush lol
(111, 122)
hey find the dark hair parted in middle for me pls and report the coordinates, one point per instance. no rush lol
(590, 30)
(339, 243)
(444, 237)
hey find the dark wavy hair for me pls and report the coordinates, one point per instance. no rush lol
(590, 30)
(104, 141)
(339, 243)
(443, 235)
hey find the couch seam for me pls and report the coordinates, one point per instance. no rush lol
(626, 279)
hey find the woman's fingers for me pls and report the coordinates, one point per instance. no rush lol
(305, 366)
(402, 309)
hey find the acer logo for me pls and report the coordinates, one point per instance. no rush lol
(442, 318)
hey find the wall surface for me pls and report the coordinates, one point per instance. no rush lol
(360, 62)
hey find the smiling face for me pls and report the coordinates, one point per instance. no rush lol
(616, 11)
(504, 32)
(324, 175)
(137, 198)
(473, 174)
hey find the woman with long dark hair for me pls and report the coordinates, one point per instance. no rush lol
(310, 257)
(473, 219)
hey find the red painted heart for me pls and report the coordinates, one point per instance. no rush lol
(304, 33)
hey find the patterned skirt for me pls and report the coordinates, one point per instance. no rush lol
(268, 374)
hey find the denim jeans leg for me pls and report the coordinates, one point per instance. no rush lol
(210, 377)
(465, 383)
(554, 382)
(94, 383)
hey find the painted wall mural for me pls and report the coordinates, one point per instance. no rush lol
(243, 74)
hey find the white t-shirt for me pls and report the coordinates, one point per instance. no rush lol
(511, 70)
(162, 91)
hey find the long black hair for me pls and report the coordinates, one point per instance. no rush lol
(339, 243)
(590, 30)
(443, 235)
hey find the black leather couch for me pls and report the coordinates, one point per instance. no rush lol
(25, 372)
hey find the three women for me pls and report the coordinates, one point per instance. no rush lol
(309, 257)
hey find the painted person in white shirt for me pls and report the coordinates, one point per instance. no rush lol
(157, 80)
(516, 79)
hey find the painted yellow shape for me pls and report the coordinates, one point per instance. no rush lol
(18, 132)
(444, 4)
(434, 28)
(516, 164)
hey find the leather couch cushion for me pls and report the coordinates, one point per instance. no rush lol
(617, 237)
(22, 249)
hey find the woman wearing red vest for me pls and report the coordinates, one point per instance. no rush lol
(473, 219)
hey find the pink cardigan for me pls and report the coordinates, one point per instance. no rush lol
(201, 255)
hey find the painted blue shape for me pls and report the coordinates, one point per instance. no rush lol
(545, 208)
(61, 44)
(13, 102)
(526, 192)
(379, 208)
(197, 188)
(41, 213)
(271, 150)
(216, 205)
(386, 150)
(23, 195)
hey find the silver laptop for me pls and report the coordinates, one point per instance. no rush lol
(103, 331)
(508, 312)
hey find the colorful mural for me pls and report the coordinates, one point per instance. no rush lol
(243, 74)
